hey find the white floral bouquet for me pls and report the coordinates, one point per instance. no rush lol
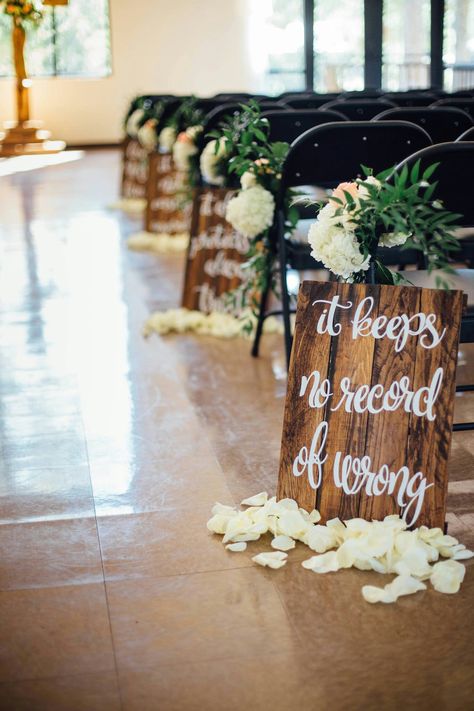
(374, 212)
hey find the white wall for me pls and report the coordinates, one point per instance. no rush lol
(158, 46)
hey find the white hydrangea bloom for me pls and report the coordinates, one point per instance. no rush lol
(182, 152)
(147, 135)
(251, 211)
(133, 122)
(248, 180)
(167, 138)
(209, 161)
(337, 248)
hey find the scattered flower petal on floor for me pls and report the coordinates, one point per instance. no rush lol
(271, 560)
(385, 547)
(162, 243)
(237, 547)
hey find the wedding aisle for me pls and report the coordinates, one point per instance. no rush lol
(113, 593)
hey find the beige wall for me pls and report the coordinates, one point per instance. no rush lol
(170, 46)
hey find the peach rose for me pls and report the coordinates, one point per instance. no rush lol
(184, 138)
(338, 192)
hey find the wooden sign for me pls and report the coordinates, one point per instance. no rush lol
(135, 169)
(216, 254)
(168, 203)
(369, 407)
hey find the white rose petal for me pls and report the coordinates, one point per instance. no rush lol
(447, 576)
(218, 523)
(326, 563)
(224, 510)
(256, 500)
(289, 504)
(321, 539)
(271, 560)
(402, 585)
(283, 543)
(236, 547)
(292, 523)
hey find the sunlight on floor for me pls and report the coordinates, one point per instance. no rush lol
(22, 164)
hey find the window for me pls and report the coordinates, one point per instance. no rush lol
(338, 45)
(72, 40)
(277, 44)
(406, 44)
(458, 54)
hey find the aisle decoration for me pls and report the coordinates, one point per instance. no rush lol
(216, 267)
(171, 176)
(370, 212)
(258, 164)
(217, 324)
(386, 547)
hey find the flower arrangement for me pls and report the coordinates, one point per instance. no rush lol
(22, 11)
(256, 163)
(186, 147)
(372, 211)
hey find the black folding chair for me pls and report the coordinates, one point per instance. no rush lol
(455, 178)
(325, 156)
(360, 109)
(218, 114)
(442, 123)
(307, 102)
(466, 105)
(288, 125)
(467, 135)
(361, 94)
(411, 98)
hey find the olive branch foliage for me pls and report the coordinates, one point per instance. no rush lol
(402, 203)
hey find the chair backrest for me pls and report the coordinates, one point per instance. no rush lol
(442, 123)
(307, 102)
(362, 94)
(360, 109)
(215, 117)
(334, 152)
(411, 99)
(266, 105)
(454, 176)
(466, 105)
(207, 105)
(467, 93)
(467, 135)
(288, 125)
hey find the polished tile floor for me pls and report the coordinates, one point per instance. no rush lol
(113, 594)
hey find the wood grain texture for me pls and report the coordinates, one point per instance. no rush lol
(429, 442)
(310, 352)
(215, 255)
(134, 169)
(390, 439)
(169, 206)
(347, 431)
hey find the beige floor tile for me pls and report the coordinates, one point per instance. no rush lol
(85, 692)
(49, 553)
(51, 632)
(207, 616)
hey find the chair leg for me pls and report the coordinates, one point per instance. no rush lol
(285, 297)
(261, 320)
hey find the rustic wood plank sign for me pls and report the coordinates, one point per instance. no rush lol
(369, 407)
(215, 256)
(168, 206)
(134, 169)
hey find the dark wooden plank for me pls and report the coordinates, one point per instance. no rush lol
(429, 441)
(169, 205)
(134, 169)
(350, 358)
(387, 435)
(215, 255)
(310, 352)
